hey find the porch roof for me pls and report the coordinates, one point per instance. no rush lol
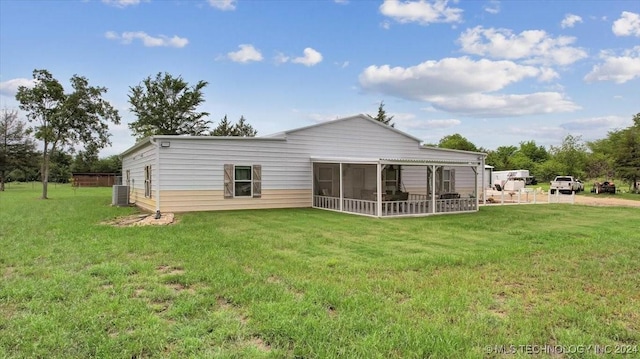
(394, 161)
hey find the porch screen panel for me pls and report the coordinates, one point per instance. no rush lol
(228, 181)
(452, 180)
(257, 181)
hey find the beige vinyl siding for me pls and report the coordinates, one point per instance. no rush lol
(213, 200)
(135, 162)
(136, 196)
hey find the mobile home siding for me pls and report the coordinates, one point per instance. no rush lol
(135, 162)
(192, 169)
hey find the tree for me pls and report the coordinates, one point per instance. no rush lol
(240, 129)
(243, 129)
(627, 153)
(79, 117)
(382, 116)
(223, 129)
(457, 142)
(571, 155)
(500, 159)
(166, 105)
(16, 146)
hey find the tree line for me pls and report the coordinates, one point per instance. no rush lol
(617, 156)
(73, 126)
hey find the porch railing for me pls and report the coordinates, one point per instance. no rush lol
(396, 208)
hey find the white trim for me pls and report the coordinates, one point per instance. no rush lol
(243, 181)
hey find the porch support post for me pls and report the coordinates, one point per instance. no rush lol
(475, 184)
(484, 197)
(341, 189)
(378, 189)
(433, 188)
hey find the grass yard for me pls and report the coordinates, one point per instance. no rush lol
(315, 284)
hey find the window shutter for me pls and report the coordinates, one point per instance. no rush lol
(257, 181)
(452, 180)
(228, 181)
(439, 174)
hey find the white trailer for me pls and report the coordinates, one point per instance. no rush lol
(512, 180)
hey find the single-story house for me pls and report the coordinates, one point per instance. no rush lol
(354, 164)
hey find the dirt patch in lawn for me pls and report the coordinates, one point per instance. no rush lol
(606, 201)
(142, 220)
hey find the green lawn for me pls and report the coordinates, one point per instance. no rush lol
(314, 284)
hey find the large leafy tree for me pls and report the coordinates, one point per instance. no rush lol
(166, 105)
(382, 116)
(61, 119)
(571, 155)
(457, 142)
(501, 158)
(627, 153)
(17, 148)
(241, 129)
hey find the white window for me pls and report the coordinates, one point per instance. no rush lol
(242, 181)
(147, 181)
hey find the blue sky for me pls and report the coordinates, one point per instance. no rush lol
(497, 72)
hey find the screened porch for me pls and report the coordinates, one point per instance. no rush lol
(386, 187)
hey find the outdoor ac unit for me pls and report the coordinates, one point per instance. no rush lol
(120, 195)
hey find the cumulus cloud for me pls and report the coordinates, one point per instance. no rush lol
(462, 85)
(421, 11)
(247, 53)
(224, 5)
(10, 87)
(446, 77)
(147, 40)
(493, 7)
(570, 20)
(618, 69)
(531, 46)
(311, 57)
(595, 123)
(442, 123)
(123, 3)
(489, 105)
(627, 25)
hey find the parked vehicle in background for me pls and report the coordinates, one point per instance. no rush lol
(604, 187)
(565, 184)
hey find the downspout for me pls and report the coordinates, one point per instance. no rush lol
(153, 142)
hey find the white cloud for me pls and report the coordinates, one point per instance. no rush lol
(10, 87)
(311, 57)
(421, 11)
(531, 46)
(488, 105)
(493, 7)
(446, 77)
(281, 58)
(224, 5)
(594, 123)
(147, 40)
(627, 25)
(570, 20)
(462, 85)
(442, 123)
(123, 3)
(247, 53)
(618, 69)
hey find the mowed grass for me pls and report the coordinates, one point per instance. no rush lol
(313, 284)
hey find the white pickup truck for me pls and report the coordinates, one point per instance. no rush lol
(565, 184)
